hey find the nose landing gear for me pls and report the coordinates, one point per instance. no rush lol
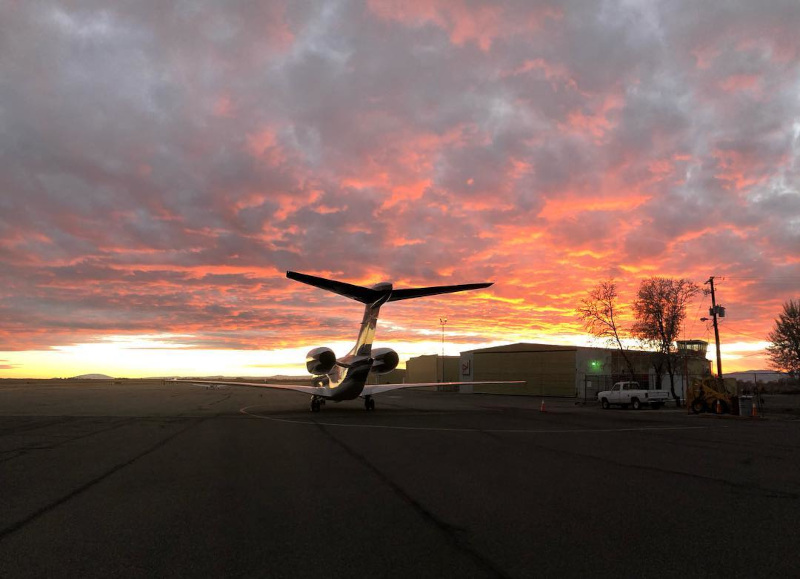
(369, 403)
(316, 403)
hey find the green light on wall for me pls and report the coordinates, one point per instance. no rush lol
(595, 364)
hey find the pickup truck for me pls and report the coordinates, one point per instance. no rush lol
(631, 394)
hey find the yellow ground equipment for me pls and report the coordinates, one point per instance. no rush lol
(703, 395)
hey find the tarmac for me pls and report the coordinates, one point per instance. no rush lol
(136, 479)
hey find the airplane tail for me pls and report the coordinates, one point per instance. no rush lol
(373, 294)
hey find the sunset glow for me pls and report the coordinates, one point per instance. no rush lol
(161, 167)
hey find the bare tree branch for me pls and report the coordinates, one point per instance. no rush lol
(598, 312)
(660, 309)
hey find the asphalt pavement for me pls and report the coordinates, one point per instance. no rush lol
(148, 479)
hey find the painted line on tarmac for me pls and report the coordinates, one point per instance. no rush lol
(246, 409)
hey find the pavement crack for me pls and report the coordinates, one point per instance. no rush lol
(14, 527)
(748, 488)
(453, 534)
(24, 450)
(223, 399)
(56, 421)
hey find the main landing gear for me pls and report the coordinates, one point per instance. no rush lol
(316, 402)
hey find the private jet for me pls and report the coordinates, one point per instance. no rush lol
(345, 378)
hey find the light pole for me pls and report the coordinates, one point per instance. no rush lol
(443, 323)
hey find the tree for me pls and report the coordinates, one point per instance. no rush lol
(599, 314)
(784, 350)
(659, 309)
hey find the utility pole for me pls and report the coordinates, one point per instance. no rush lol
(714, 311)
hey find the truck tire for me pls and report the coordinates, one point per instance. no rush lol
(604, 403)
(635, 404)
(698, 406)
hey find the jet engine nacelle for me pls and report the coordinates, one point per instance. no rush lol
(384, 360)
(320, 361)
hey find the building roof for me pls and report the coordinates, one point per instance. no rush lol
(524, 347)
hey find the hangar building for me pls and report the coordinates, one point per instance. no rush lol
(550, 370)
(547, 370)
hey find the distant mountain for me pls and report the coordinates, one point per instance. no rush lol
(760, 375)
(92, 377)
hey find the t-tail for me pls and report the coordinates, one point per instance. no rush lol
(374, 297)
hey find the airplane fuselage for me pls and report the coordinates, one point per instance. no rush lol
(347, 379)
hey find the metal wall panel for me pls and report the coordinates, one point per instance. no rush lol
(546, 373)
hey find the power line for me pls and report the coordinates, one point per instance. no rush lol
(728, 329)
(754, 354)
(764, 276)
(695, 319)
(764, 279)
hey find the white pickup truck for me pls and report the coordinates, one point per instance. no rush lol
(631, 394)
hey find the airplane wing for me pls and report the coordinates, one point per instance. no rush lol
(296, 387)
(371, 389)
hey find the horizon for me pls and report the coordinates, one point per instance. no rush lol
(296, 368)
(163, 166)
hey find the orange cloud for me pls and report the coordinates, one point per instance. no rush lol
(463, 21)
(741, 82)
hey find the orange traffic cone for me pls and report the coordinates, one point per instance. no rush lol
(754, 409)
(718, 407)
(541, 408)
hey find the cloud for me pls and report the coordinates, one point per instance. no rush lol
(163, 165)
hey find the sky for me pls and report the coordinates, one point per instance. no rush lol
(163, 164)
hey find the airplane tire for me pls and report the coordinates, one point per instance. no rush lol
(369, 404)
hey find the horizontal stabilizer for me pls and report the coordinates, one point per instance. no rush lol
(420, 292)
(369, 295)
(348, 290)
